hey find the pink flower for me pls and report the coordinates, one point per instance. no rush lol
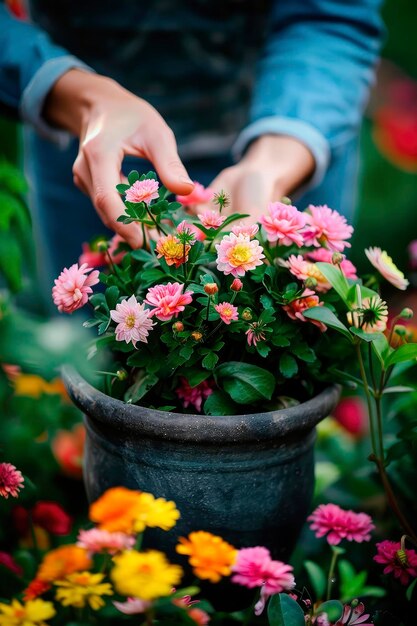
(96, 258)
(236, 285)
(7, 561)
(237, 254)
(73, 286)
(250, 230)
(95, 540)
(284, 224)
(303, 269)
(132, 319)
(325, 227)
(351, 414)
(133, 606)
(340, 524)
(211, 219)
(228, 313)
(168, 300)
(388, 555)
(11, 480)
(143, 191)
(193, 396)
(185, 226)
(199, 195)
(386, 267)
(353, 616)
(307, 300)
(324, 255)
(254, 334)
(412, 254)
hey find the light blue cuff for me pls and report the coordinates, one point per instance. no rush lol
(33, 97)
(307, 134)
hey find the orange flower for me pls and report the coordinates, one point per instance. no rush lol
(116, 510)
(35, 589)
(210, 556)
(173, 251)
(63, 561)
(68, 448)
(33, 386)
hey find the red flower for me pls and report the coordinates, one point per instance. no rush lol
(6, 560)
(35, 589)
(351, 414)
(11, 480)
(47, 515)
(68, 448)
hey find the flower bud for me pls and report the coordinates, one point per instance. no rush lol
(286, 200)
(310, 282)
(102, 245)
(121, 374)
(247, 315)
(337, 258)
(406, 313)
(177, 327)
(236, 285)
(196, 335)
(211, 289)
(400, 330)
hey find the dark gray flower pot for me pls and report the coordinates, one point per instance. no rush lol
(248, 478)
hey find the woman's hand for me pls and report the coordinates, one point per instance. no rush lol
(111, 123)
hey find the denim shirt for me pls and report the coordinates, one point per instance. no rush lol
(221, 72)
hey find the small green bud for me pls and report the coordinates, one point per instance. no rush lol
(286, 200)
(400, 330)
(310, 282)
(247, 315)
(406, 313)
(121, 374)
(337, 258)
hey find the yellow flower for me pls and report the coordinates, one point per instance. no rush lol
(31, 613)
(63, 561)
(81, 588)
(173, 251)
(210, 556)
(155, 513)
(144, 575)
(33, 386)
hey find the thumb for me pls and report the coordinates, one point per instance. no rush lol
(163, 154)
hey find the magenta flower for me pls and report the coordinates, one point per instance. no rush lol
(237, 254)
(389, 554)
(254, 334)
(73, 286)
(228, 313)
(284, 224)
(353, 616)
(326, 228)
(95, 540)
(192, 229)
(193, 396)
(199, 195)
(307, 300)
(211, 219)
(168, 300)
(352, 415)
(250, 230)
(132, 319)
(6, 560)
(386, 267)
(133, 606)
(324, 255)
(303, 269)
(254, 567)
(11, 480)
(340, 524)
(143, 191)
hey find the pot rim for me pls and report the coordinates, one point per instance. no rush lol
(137, 422)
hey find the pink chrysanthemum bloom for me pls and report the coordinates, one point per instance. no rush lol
(250, 230)
(73, 286)
(193, 396)
(325, 256)
(237, 254)
(133, 321)
(168, 300)
(6, 560)
(185, 226)
(254, 567)
(307, 300)
(199, 195)
(386, 267)
(254, 334)
(340, 524)
(143, 191)
(326, 228)
(284, 224)
(95, 540)
(211, 219)
(303, 269)
(228, 313)
(133, 606)
(403, 565)
(11, 480)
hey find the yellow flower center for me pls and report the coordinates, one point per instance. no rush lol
(227, 311)
(130, 320)
(240, 254)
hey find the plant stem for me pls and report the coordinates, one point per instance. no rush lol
(368, 397)
(144, 234)
(158, 225)
(330, 578)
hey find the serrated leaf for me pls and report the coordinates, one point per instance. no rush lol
(288, 365)
(284, 611)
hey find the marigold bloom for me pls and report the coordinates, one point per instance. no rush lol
(6, 560)
(284, 224)
(326, 256)
(388, 554)
(155, 513)
(250, 230)
(73, 286)
(386, 267)
(302, 269)
(95, 540)
(68, 449)
(132, 319)
(33, 386)
(144, 575)
(211, 219)
(115, 510)
(44, 514)
(31, 613)
(199, 195)
(172, 250)
(254, 567)
(81, 589)
(228, 313)
(327, 228)
(307, 300)
(168, 300)
(209, 555)
(63, 561)
(143, 191)
(237, 254)
(11, 480)
(193, 396)
(35, 589)
(340, 524)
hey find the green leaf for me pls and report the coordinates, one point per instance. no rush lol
(140, 387)
(325, 315)
(368, 337)
(332, 608)
(407, 352)
(112, 295)
(398, 389)
(317, 578)
(219, 403)
(151, 275)
(10, 261)
(132, 177)
(410, 590)
(288, 365)
(210, 360)
(245, 383)
(122, 188)
(381, 347)
(142, 255)
(284, 611)
(336, 278)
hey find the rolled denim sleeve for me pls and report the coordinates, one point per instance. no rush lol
(30, 63)
(315, 74)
